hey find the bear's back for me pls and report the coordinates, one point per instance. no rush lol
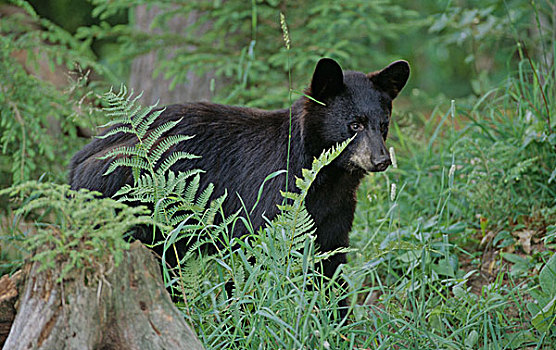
(237, 148)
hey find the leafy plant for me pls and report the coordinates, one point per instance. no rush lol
(76, 229)
(181, 212)
(425, 271)
(509, 151)
(41, 108)
(420, 244)
(543, 309)
(275, 282)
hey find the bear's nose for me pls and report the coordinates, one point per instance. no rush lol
(382, 162)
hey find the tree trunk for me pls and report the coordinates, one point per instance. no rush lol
(126, 307)
(154, 89)
(10, 288)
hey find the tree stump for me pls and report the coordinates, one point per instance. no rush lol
(127, 307)
(10, 288)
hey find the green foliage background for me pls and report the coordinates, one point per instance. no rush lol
(457, 50)
(451, 244)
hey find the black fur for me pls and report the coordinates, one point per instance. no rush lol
(240, 146)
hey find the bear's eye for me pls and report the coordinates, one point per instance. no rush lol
(356, 127)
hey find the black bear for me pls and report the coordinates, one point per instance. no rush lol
(240, 146)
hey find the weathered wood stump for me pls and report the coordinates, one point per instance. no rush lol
(126, 307)
(10, 288)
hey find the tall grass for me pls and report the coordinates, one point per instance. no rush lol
(461, 192)
(432, 260)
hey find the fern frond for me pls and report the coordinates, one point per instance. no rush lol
(133, 112)
(149, 182)
(118, 103)
(146, 198)
(154, 135)
(181, 179)
(293, 217)
(121, 129)
(196, 245)
(134, 163)
(204, 197)
(124, 151)
(164, 210)
(173, 159)
(181, 209)
(191, 191)
(215, 206)
(166, 144)
(129, 103)
(124, 190)
(82, 228)
(175, 220)
(146, 117)
(226, 221)
(326, 157)
(291, 195)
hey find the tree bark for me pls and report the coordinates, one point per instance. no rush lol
(10, 288)
(157, 88)
(126, 307)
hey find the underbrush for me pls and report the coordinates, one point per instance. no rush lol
(456, 234)
(447, 244)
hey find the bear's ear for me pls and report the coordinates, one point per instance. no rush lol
(328, 79)
(391, 79)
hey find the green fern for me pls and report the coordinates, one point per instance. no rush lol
(154, 182)
(272, 272)
(76, 229)
(293, 217)
(183, 210)
(284, 239)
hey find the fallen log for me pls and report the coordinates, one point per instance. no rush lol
(120, 307)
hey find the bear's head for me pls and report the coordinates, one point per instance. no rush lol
(352, 103)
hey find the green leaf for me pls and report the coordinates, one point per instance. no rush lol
(459, 292)
(120, 129)
(533, 308)
(134, 163)
(547, 277)
(261, 188)
(515, 259)
(471, 339)
(458, 227)
(552, 176)
(545, 318)
(444, 268)
(410, 256)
